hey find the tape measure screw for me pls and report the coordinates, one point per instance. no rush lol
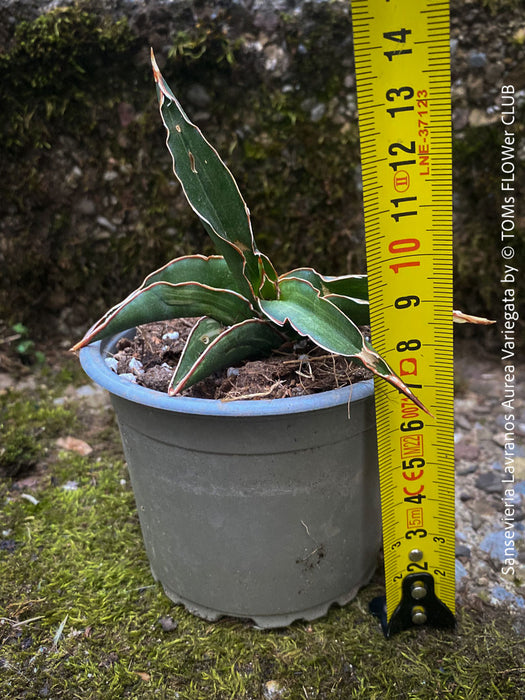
(418, 590)
(415, 555)
(419, 615)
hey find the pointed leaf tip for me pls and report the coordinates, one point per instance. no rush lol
(376, 364)
(157, 75)
(156, 71)
(460, 317)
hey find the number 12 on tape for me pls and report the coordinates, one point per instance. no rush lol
(402, 57)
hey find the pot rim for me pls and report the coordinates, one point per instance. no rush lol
(92, 361)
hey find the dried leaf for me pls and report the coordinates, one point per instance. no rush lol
(74, 445)
(145, 676)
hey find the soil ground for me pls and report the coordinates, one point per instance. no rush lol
(294, 369)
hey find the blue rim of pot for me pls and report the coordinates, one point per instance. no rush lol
(92, 359)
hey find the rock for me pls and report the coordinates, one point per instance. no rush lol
(502, 595)
(520, 488)
(461, 572)
(317, 112)
(276, 60)
(266, 20)
(463, 422)
(87, 390)
(6, 381)
(467, 451)
(272, 690)
(90, 394)
(70, 486)
(112, 363)
(168, 624)
(480, 117)
(476, 521)
(462, 551)
(85, 206)
(136, 366)
(469, 469)
(494, 72)
(105, 223)
(475, 88)
(519, 468)
(477, 59)
(490, 482)
(499, 439)
(494, 544)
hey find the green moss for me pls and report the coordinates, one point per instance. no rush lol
(80, 613)
(54, 70)
(27, 427)
(206, 39)
(80, 561)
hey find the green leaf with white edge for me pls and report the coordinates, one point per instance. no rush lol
(209, 188)
(211, 270)
(211, 347)
(349, 292)
(355, 286)
(268, 284)
(356, 309)
(301, 305)
(163, 300)
(202, 334)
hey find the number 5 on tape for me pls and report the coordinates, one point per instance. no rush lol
(403, 85)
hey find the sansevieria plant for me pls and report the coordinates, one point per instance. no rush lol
(245, 308)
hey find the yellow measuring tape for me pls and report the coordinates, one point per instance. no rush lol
(402, 56)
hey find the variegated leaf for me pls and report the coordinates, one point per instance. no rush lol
(162, 300)
(314, 316)
(211, 270)
(355, 286)
(210, 189)
(349, 292)
(211, 347)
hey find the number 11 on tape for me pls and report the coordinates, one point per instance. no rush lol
(402, 57)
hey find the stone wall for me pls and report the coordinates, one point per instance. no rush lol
(89, 204)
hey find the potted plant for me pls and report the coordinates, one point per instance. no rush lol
(262, 509)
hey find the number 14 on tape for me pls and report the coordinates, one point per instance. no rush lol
(402, 57)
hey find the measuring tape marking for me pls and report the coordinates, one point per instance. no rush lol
(404, 112)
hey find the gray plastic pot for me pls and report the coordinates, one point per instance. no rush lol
(266, 510)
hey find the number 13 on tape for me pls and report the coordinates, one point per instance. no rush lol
(402, 57)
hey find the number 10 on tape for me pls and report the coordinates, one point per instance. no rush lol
(402, 56)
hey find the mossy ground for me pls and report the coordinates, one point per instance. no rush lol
(80, 613)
